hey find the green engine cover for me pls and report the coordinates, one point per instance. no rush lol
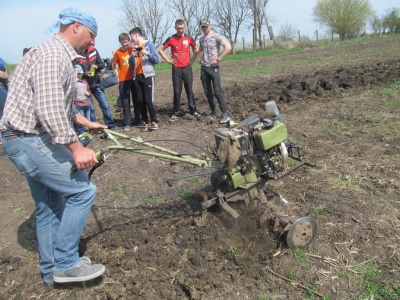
(266, 139)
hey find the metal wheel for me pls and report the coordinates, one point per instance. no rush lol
(302, 233)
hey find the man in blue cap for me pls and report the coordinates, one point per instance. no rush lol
(41, 142)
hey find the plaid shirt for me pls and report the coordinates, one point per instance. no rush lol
(41, 92)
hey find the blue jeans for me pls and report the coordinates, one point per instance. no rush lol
(86, 112)
(102, 99)
(92, 112)
(3, 97)
(63, 199)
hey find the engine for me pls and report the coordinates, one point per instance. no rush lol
(264, 152)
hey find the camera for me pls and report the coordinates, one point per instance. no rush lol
(107, 63)
(138, 49)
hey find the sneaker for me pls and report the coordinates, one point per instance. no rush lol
(153, 126)
(174, 118)
(83, 271)
(127, 128)
(196, 114)
(225, 118)
(114, 129)
(118, 108)
(86, 259)
(144, 127)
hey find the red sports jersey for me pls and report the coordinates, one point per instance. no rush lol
(180, 49)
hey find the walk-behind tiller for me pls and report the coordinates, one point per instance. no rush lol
(246, 155)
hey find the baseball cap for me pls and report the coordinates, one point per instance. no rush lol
(205, 22)
(79, 69)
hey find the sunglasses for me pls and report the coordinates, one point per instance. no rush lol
(92, 34)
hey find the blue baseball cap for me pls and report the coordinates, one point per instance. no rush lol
(78, 69)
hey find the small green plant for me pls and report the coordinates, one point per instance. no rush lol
(30, 257)
(291, 162)
(195, 180)
(300, 256)
(302, 197)
(312, 287)
(262, 297)
(116, 192)
(234, 250)
(292, 275)
(317, 210)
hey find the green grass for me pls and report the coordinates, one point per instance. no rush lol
(184, 193)
(371, 287)
(342, 127)
(363, 40)
(392, 89)
(300, 256)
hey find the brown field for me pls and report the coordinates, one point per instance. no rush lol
(340, 104)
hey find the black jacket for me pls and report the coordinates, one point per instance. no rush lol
(91, 57)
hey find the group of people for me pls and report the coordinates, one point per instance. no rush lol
(209, 56)
(36, 125)
(134, 64)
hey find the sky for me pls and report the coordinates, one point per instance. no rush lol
(25, 21)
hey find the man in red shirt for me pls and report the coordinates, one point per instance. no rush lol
(181, 62)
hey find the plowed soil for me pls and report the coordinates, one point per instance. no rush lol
(339, 103)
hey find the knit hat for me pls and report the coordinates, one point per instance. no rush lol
(71, 15)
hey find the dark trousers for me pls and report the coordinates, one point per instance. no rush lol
(185, 76)
(145, 95)
(127, 90)
(211, 80)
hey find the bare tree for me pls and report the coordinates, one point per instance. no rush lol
(259, 18)
(267, 20)
(344, 17)
(149, 15)
(191, 11)
(229, 16)
(287, 32)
